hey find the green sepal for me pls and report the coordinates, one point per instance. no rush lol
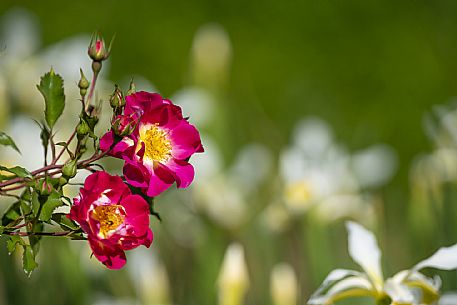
(6, 140)
(51, 87)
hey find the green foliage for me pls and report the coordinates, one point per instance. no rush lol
(6, 140)
(12, 242)
(53, 201)
(28, 260)
(64, 222)
(51, 87)
(18, 171)
(12, 213)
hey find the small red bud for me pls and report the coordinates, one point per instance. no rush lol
(97, 49)
(123, 125)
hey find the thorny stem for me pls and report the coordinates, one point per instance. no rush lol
(61, 233)
(58, 168)
(54, 161)
(92, 88)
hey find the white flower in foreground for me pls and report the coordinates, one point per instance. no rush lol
(408, 287)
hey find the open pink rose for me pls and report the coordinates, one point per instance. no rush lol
(156, 153)
(113, 218)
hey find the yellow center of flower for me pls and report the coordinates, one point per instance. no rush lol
(110, 218)
(156, 142)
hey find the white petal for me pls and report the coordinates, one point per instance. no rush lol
(375, 165)
(344, 281)
(313, 136)
(417, 281)
(445, 259)
(335, 276)
(399, 293)
(364, 250)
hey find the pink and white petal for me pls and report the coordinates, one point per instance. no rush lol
(107, 140)
(157, 186)
(136, 175)
(185, 141)
(137, 214)
(119, 150)
(142, 101)
(111, 257)
(182, 171)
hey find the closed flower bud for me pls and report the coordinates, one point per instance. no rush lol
(97, 49)
(83, 82)
(117, 100)
(284, 285)
(83, 128)
(123, 125)
(132, 88)
(45, 187)
(69, 169)
(233, 278)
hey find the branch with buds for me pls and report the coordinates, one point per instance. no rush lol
(106, 205)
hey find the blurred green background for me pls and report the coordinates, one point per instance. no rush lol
(371, 69)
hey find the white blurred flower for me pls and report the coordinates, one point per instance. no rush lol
(284, 285)
(316, 172)
(408, 287)
(150, 277)
(21, 67)
(223, 193)
(374, 166)
(199, 105)
(26, 135)
(233, 280)
(211, 55)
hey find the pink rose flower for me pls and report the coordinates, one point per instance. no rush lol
(113, 218)
(156, 153)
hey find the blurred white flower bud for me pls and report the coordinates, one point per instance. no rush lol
(283, 285)
(233, 280)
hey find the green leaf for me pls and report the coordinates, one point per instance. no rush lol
(45, 135)
(51, 87)
(17, 171)
(64, 222)
(8, 141)
(35, 203)
(34, 240)
(12, 214)
(28, 260)
(12, 242)
(49, 206)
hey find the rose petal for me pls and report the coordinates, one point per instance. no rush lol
(111, 257)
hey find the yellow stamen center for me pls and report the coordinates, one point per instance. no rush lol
(110, 218)
(157, 145)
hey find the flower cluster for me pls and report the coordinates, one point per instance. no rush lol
(156, 153)
(113, 218)
(148, 132)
